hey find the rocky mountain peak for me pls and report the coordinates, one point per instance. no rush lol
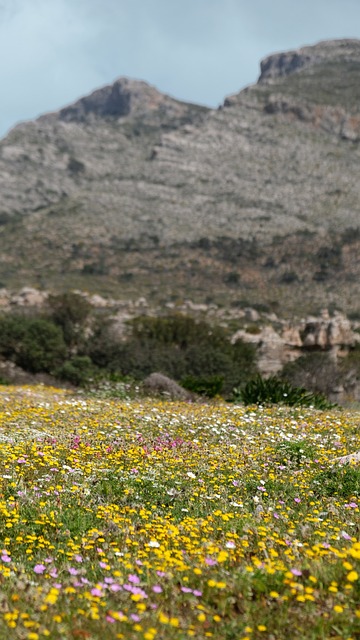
(286, 63)
(122, 98)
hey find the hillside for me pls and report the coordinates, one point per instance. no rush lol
(129, 192)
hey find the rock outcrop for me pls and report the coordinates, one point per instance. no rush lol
(283, 64)
(334, 335)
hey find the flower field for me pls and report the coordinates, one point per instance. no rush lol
(153, 520)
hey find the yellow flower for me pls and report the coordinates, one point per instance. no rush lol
(353, 576)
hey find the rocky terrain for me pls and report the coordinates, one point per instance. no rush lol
(128, 192)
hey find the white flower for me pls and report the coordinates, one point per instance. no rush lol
(190, 474)
(154, 543)
(230, 544)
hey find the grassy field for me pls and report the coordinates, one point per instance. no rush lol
(148, 520)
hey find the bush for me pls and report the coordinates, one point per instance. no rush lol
(36, 345)
(273, 390)
(315, 372)
(79, 371)
(177, 346)
(70, 311)
(204, 386)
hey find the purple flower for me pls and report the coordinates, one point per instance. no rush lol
(296, 572)
(39, 568)
(103, 565)
(297, 500)
(157, 589)
(133, 578)
(197, 593)
(135, 617)
(186, 590)
(73, 572)
(5, 558)
(96, 592)
(78, 558)
(115, 587)
(210, 561)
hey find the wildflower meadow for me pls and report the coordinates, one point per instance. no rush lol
(148, 520)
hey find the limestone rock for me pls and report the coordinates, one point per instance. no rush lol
(352, 458)
(157, 383)
(286, 63)
(29, 297)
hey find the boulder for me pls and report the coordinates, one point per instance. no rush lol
(159, 384)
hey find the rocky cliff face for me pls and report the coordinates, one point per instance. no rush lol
(131, 192)
(283, 64)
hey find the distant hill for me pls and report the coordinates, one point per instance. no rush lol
(130, 192)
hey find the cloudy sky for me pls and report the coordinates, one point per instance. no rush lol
(54, 51)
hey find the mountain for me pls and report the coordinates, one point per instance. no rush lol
(130, 192)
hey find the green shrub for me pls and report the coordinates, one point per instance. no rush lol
(79, 371)
(316, 372)
(70, 311)
(204, 386)
(36, 345)
(274, 390)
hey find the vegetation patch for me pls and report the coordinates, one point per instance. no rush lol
(152, 519)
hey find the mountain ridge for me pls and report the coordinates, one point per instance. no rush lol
(129, 189)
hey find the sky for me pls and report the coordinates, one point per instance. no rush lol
(55, 51)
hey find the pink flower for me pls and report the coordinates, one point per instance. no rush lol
(297, 500)
(133, 578)
(157, 589)
(5, 558)
(73, 572)
(96, 592)
(296, 572)
(78, 558)
(39, 568)
(197, 593)
(103, 565)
